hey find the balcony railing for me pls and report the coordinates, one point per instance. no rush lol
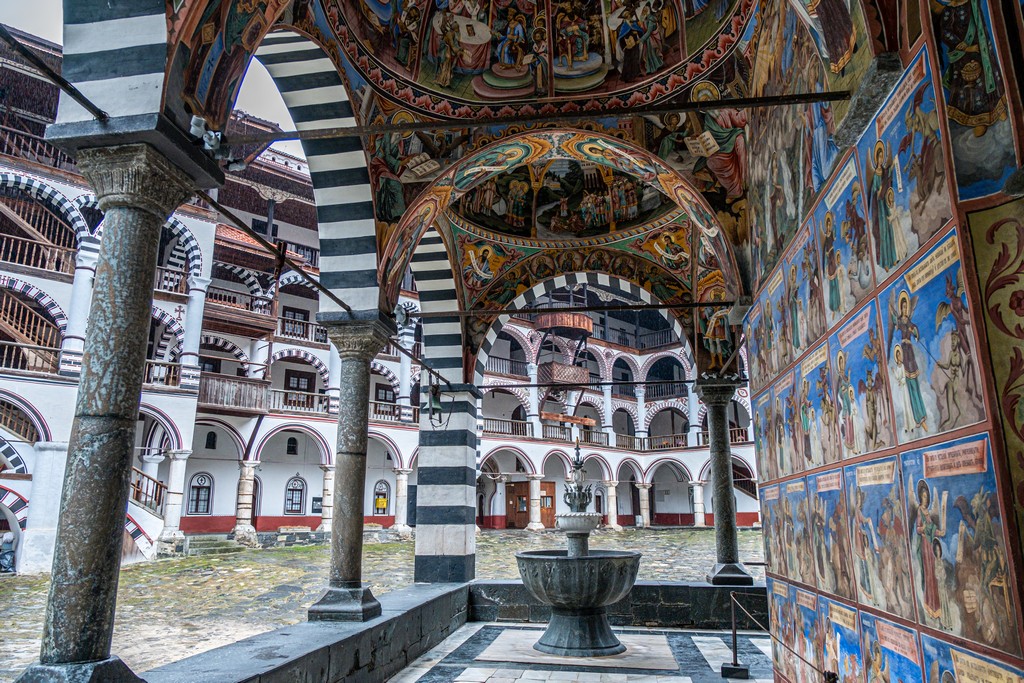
(236, 299)
(390, 350)
(14, 356)
(593, 437)
(243, 394)
(556, 432)
(301, 329)
(284, 401)
(383, 411)
(497, 425)
(23, 323)
(508, 366)
(738, 435)
(666, 442)
(651, 340)
(624, 390)
(14, 420)
(171, 280)
(632, 443)
(159, 373)
(35, 218)
(147, 491)
(18, 143)
(659, 391)
(37, 254)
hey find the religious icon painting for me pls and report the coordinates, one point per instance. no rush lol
(843, 245)
(861, 397)
(803, 288)
(890, 650)
(797, 532)
(779, 312)
(839, 640)
(807, 629)
(763, 437)
(762, 344)
(957, 549)
(879, 536)
(774, 525)
(830, 534)
(782, 624)
(946, 663)
(787, 437)
(929, 340)
(752, 332)
(818, 423)
(903, 169)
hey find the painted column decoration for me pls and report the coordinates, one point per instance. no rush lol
(717, 394)
(327, 500)
(137, 189)
(175, 495)
(535, 523)
(698, 503)
(613, 505)
(193, 331)
(401, 524)
(245, 533)
(645, 504)
(346, 598)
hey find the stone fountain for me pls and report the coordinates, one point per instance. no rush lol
(578, 584)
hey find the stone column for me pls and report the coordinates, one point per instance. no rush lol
(260, 355)
(333, 380)
(613, 505)
(346, 598)
(244, 531)
(645, 504)
(716, 394)
(193, 331)
(401, 524)
(641, 411)
(171, 533)
(535, 523)
(137, 189)
(406, 339)
(327, 501)
(693, 409)
(609, 414)
(78, 311)
(698, 503)
(150, 463)
(35, 554)
(533, 394)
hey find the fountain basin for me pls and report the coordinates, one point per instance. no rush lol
(579, 589)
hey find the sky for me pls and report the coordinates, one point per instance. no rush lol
(258, 96)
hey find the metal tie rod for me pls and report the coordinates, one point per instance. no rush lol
(570, 309)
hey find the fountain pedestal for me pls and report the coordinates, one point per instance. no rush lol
(579, 586)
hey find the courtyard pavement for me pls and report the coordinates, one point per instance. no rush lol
(171, 609)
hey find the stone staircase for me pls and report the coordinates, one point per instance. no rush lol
(211, 545)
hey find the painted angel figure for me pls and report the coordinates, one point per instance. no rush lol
(901, 320)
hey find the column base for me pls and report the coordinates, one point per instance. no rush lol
(535, 526)
(110, 670)
(404, 530)
(613, 527)
(739, 671)
(730, 574)
(325, 527)
(245, 535)
(345, 604)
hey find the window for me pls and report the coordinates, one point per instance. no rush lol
(209, 364)
(381, 492)
(296, 380)
(295, 322)
(295, 496)
(211, 441)
(200, 494)
(292, 446)
(385, 394)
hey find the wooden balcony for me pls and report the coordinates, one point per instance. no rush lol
(284, 401)
(230, 395)
(666, 442)
(565, 324)
(381, 411)
(161, 374)
(29, 358)
(171, 280)
(148, 492)
(560, 373)
(230, 311)
(502, 427)
(34, 254)
(556, 432)
(593, 437)
(508, 366)
(23, 145)
(669, 390)
(301, 330)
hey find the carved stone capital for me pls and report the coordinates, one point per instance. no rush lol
(359, 339)
(135, 176)
(643, 486)
(180, 453)
(716, 392)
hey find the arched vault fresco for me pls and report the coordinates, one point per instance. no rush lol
(609, 155)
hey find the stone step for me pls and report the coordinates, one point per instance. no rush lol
(203, 542)
(226, 550)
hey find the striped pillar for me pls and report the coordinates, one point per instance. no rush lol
(446, 488)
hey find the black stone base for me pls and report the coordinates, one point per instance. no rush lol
(345, 604)
(739, 671)
(730, 574)
(579, 633)
(111, 670)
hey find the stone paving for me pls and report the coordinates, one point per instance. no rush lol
(174, 608)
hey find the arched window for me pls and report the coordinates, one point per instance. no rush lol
(295, 496)
(200, 494)
(292, 447)
(211, 441)
(381, 494)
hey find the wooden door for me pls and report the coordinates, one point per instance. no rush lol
(517, 504)
(547, 504)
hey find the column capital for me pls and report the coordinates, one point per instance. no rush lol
(640, 391)
(697, 483)
(534, 477)
(198, 282)
(153, 458)
(402, 471)
(643, 485)
(327, 468)
(250, 465)
(180, 453)
(359, 339)
(716, 391)
(134, 176)
(610, 483)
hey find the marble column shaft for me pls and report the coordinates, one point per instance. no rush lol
(402, 499)
(535, 523)
(137, 188)
(327, 501)
(175, 493)
(645, 504)
(613, 504)
(244, 531)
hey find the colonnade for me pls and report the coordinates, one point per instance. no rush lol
(138, 188)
